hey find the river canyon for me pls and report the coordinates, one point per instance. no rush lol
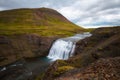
(62, 48)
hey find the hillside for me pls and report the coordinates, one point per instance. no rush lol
(42, 21)
(28, 33)
(96, 57)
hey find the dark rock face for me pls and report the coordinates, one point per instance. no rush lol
(103, 41)
(4, 40)
(50, 71)
(16, 47)
(43, 44)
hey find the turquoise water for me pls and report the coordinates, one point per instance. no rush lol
(39, 64)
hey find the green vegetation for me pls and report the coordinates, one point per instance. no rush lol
(62, 63)
(43, 21)
(90, 29)
(62, 70)
(40, 76)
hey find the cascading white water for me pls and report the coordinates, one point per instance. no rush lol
(61, 49)
(64, 48)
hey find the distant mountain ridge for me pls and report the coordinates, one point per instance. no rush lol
(43, 21)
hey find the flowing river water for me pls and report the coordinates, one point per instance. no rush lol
(27, 70)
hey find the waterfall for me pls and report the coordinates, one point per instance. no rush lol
(64, 48)
(61, 49)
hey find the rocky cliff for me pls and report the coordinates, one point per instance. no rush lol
(16, 47)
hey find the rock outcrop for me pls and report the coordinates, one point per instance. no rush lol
(103, 69)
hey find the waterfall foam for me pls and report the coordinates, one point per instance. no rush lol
(61, 49)
(64, 48)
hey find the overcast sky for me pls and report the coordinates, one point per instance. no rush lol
(86, 13)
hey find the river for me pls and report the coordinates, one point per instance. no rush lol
(28, 69)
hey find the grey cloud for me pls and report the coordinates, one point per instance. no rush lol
(104, 5)
(11, 4)
(81, 12)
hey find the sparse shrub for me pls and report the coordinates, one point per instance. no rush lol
(40, 76)
(62, 63)
(100, 48)
(62, 70)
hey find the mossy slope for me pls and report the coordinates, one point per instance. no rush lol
(42, 21)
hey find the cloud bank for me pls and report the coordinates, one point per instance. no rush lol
(86, 13)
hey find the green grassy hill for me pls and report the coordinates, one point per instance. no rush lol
(42, 21)
(29, 33)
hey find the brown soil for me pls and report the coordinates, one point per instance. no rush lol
(103, 69)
